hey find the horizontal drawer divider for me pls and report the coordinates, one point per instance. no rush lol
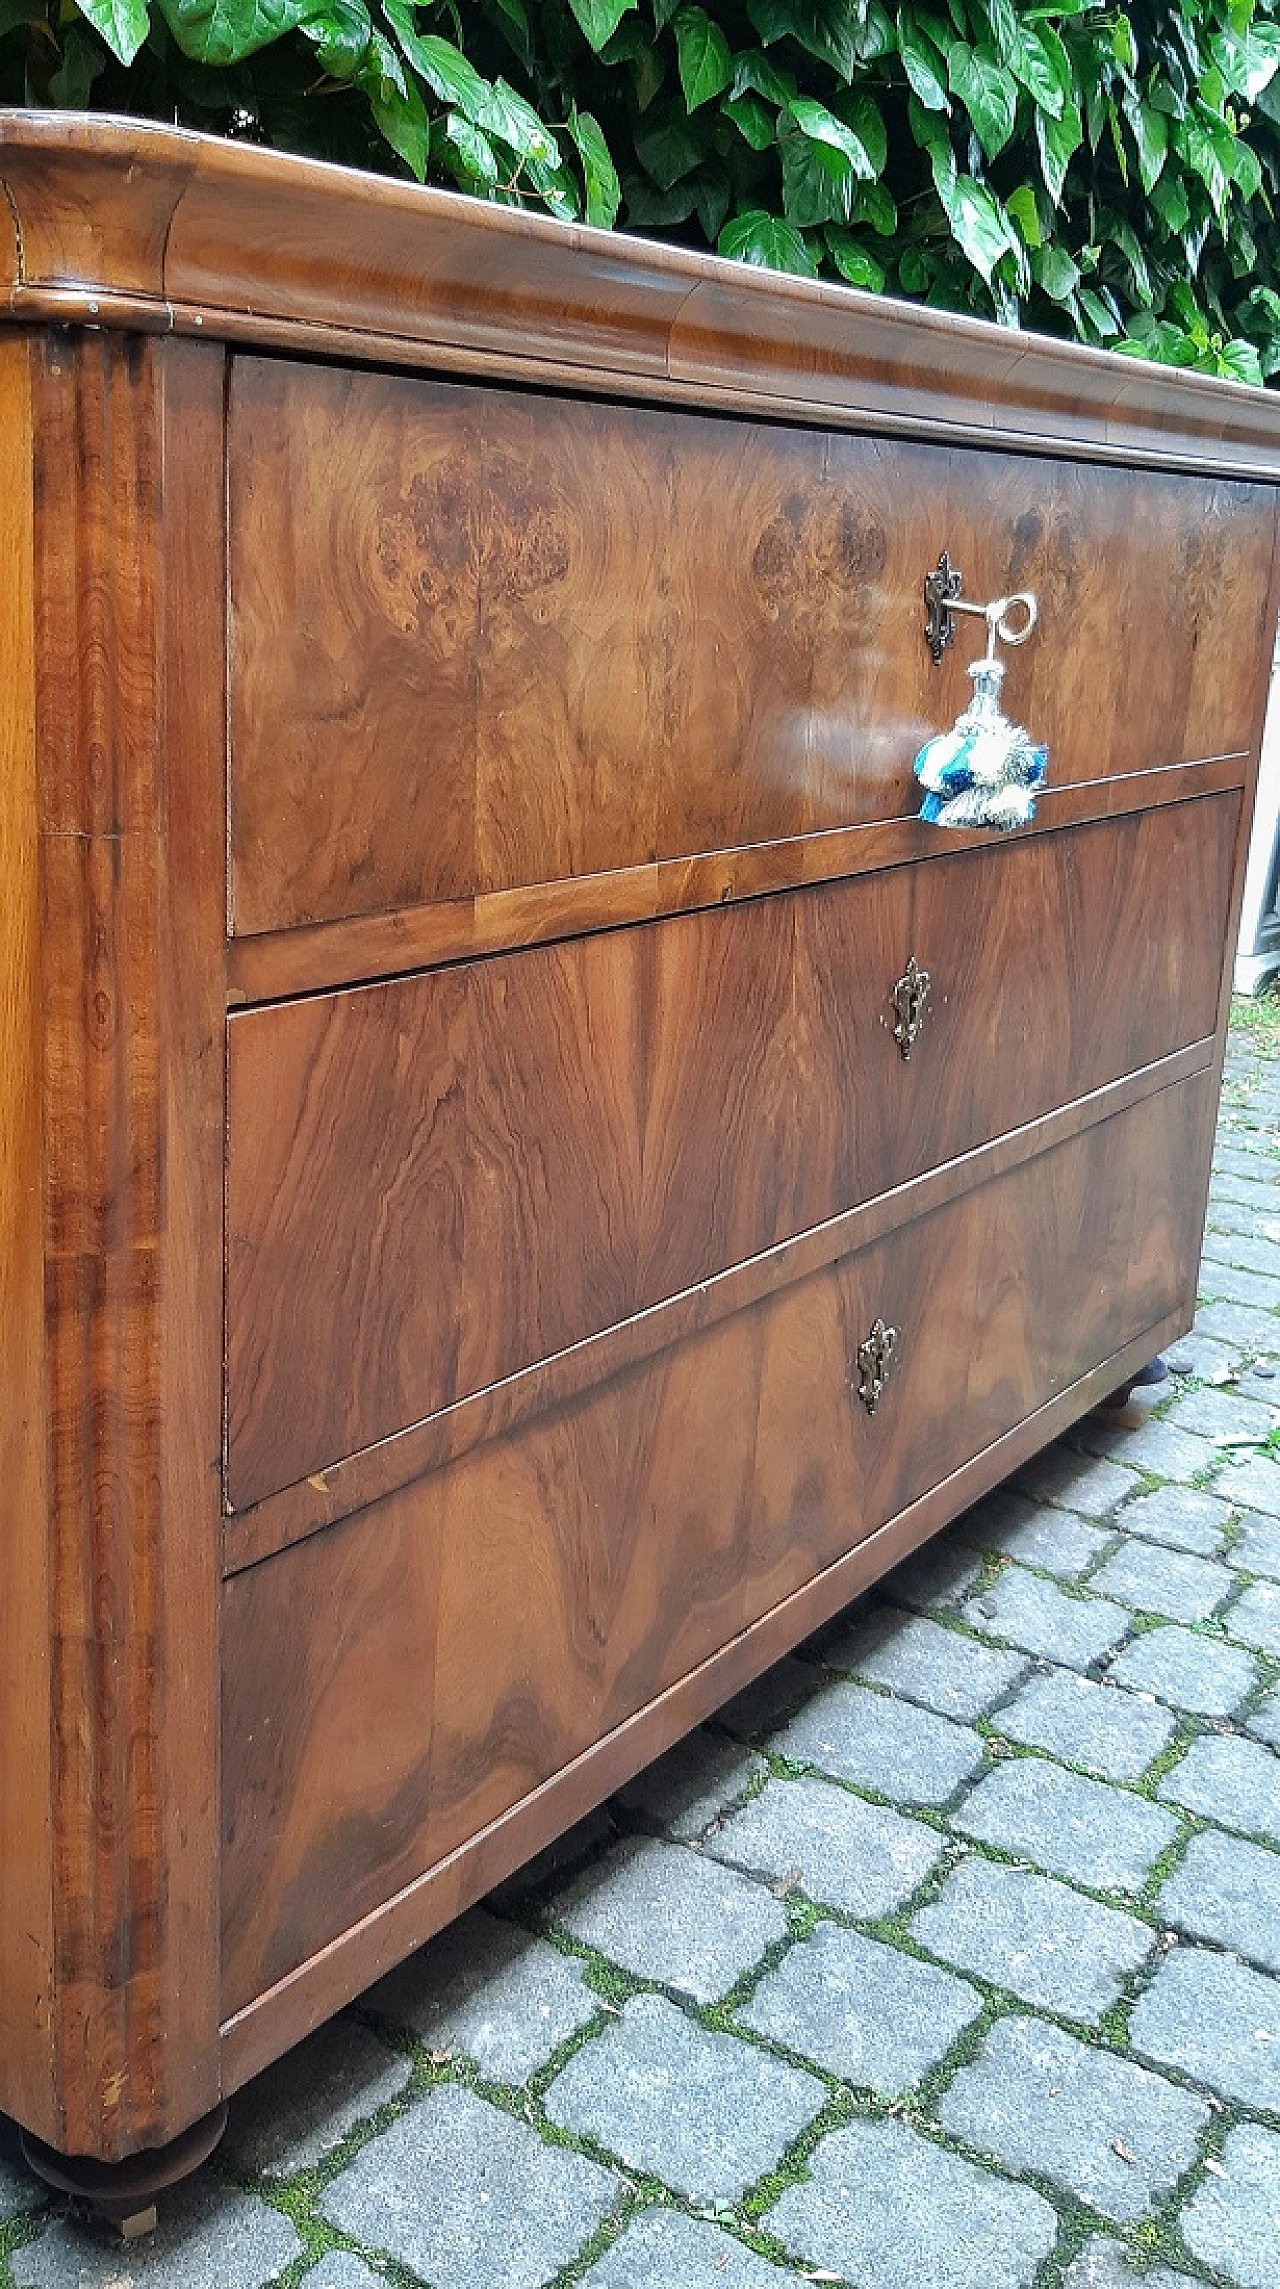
(282, 2015)
(280, 965)
(314, 1503)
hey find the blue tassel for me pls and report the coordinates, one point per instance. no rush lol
(985, 771)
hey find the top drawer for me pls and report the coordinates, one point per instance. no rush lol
(482, 638)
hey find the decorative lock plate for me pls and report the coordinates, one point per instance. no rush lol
(941, 589)
(875, 1363)
(909, 998)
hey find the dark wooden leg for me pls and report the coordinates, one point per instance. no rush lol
(124, 2193)
(1155, 1371)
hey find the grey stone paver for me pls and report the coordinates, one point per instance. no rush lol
(491, 1990)
(1234, 2222)
(1105, 2265)
(1216, 2019)
(1256, 1547)
(1203, 1355)
(761, 1707)
(338, 2269)
(1039, 2100)
(467, 2196)
(1189, 1671)
(1038, 1533)
(1250, 1252)
(845, 1853)
(1223, 1414)
(1033, 1936)
(889, 1746)
(1157, 1447)
(671, 1916)
(1229, 1891)
(1098, 1726)
(1183, 1516)
(1255, 1617)
(864, 2011)
(1034, 1614)
(209, 2237)
(1100, 1835)
(662, 2249)
(888, 2209)
(1251, 1481)
(1265, 1720)
(1242, 1325)
(688, 1787)
(1233, 1781)
(926, 1662)
(1090, 1485)
(1168, 1582)
(1226, 1283)
(18, 2190)
(303, 2107)
(704, 2112)
(938, 1577)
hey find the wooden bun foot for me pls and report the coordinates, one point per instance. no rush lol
(124, 2193)
(1155, 1371)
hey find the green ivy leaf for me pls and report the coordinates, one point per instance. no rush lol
(444, 68)
(977, 224)
(397, 106)
(854, 262)
(599, 19)
(669, 147)
(752, 117)
(923, 72)
(604, 192)
(1043, 70)
(1246, 170)
(873, 205)
(123, 24)
(706, 66)
(767, 240)
(1100, 312)
(758, 72)
(340, 33)
(1059, 140)
(975, 76)
(821, 126)
(472, 156)
(226, 31)
(817, 181)
(1150, 131)
(862, 113)
(1239, 361)
(1248, 59)
(1021, 204)
(501, 112)
(1170, 201)
(827, 29)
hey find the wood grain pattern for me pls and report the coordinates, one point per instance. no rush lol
(121, 1200)
(484, 640)
(126, 223)
(393, 1686)
(26, 1872)
(276, 965)
(548, 1143)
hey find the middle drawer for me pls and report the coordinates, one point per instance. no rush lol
(436, 1182)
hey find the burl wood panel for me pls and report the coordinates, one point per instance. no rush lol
(435, 1182)
(114, 862)
(394, 1684)
(483, 639)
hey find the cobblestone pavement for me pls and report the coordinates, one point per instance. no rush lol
(948, 1957)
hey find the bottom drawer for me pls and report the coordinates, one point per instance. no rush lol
(399, 1681)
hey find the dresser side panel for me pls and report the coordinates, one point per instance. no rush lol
(26, 1877)
(129, 642)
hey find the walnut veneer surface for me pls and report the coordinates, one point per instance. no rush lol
(459, 678)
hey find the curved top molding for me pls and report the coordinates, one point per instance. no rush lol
(113, 222)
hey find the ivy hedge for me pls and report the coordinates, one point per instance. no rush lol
(1105, 172)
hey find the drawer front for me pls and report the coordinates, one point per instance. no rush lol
(435, 1183)
(482, 639)
(393, 1684)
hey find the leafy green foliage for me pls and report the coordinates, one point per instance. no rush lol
(1076, 166)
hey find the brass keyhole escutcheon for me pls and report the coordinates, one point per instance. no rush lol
(909, 997)
(875, 1363)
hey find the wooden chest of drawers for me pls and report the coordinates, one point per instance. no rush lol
(461, 677)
